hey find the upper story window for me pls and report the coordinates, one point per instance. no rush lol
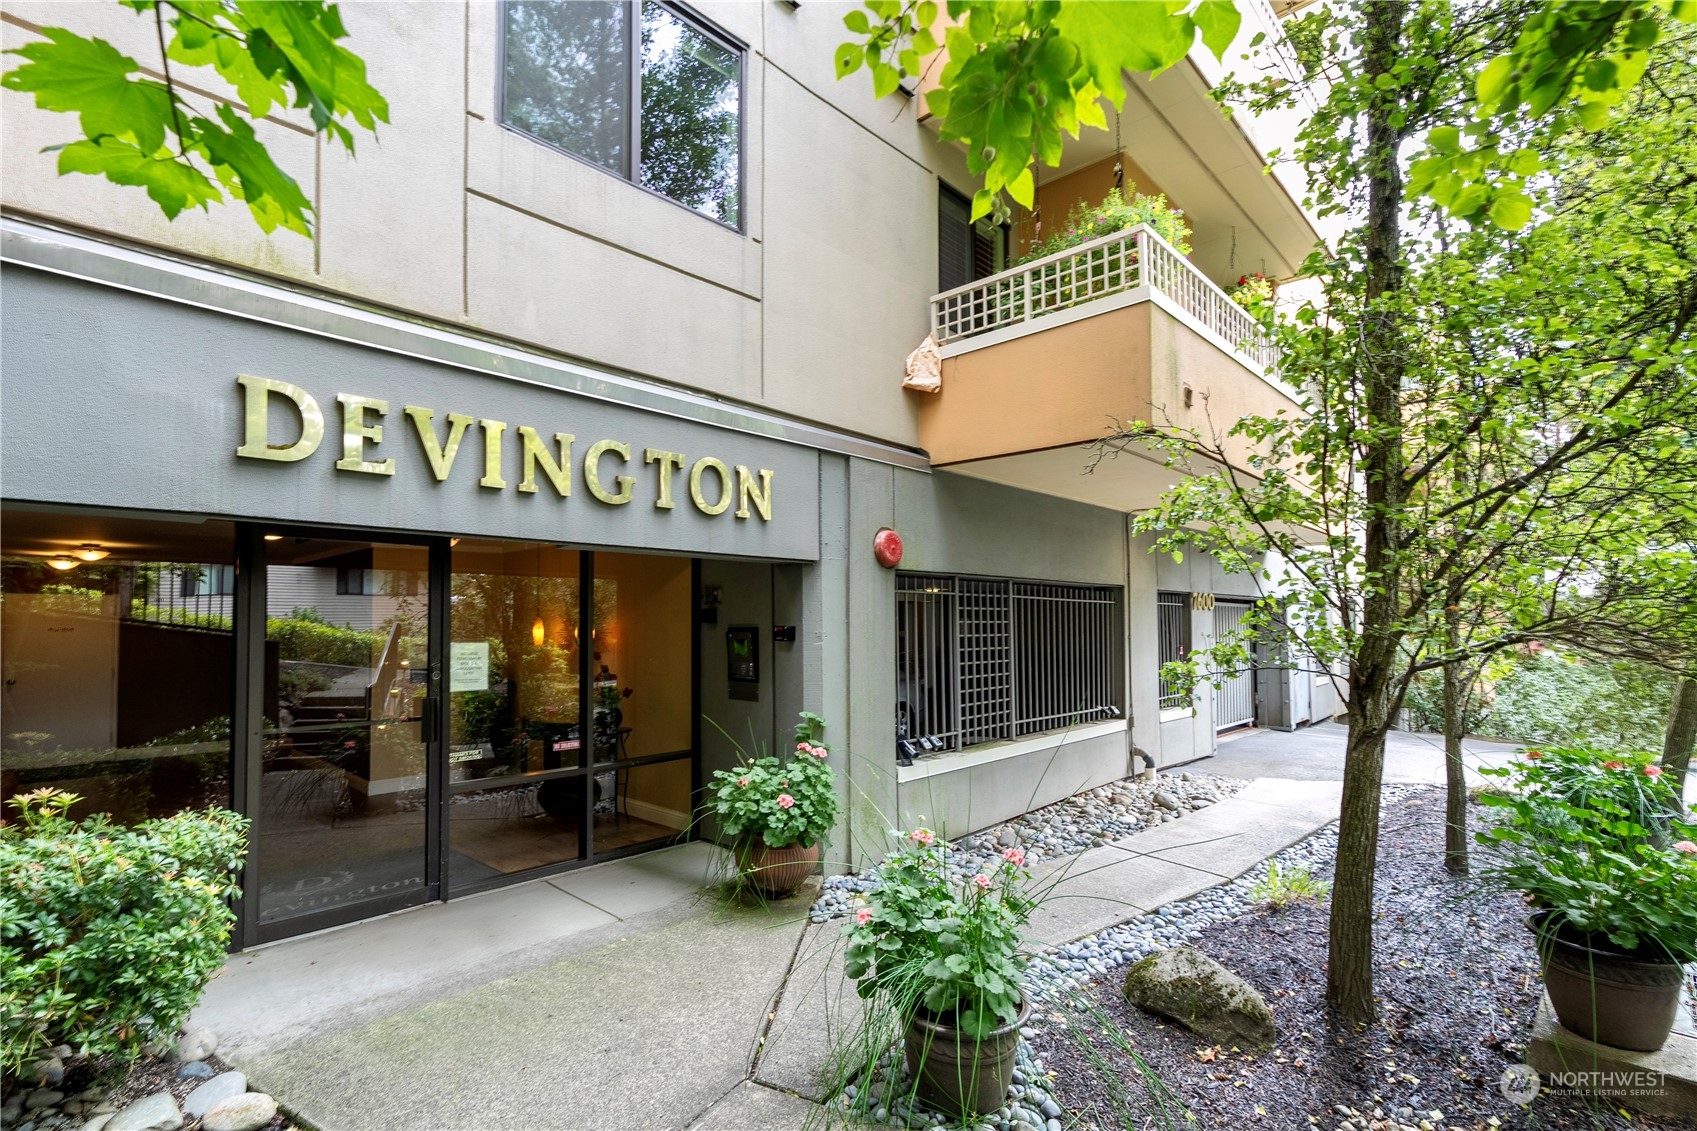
(573, 72)
(376, 583)
(966, 251)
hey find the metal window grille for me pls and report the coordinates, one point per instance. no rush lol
(989, 659)
(1172, 613)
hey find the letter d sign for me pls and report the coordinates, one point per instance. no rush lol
(256, 442)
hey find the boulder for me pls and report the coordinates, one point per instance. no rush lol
(214, 1092)
(157, 1112)
(245, 1112)
(196, 1045)
(1188, 987)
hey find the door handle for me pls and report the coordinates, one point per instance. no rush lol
(431, 730)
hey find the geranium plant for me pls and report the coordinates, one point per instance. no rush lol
(950, 945)
(1253, 289)
(1599, 840)
(780, 799)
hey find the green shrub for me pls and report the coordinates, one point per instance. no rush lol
(108, 935)
(319, 643)
(1116, 214)
(1554, 699)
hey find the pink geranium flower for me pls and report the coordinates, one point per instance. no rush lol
(742, 782)
(923, 836)
(1686, 847)
(1652, 771)
(1014, 856)
(863, 916)
(1613, 765)
(785, 801)
(981, 880)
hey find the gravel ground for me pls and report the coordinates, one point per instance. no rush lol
(1457, 976)
(1066, 828)
(108, 1084)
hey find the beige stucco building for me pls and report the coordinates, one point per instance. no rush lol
(453, 542)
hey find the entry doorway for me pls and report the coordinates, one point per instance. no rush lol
(437, 717)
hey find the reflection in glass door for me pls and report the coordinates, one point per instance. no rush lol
(340, 828)
(516, 784)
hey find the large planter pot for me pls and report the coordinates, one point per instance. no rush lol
(952, 1072)
(1625, 1001)
(776, 872)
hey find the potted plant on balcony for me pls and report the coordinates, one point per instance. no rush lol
(777, 810)
(1592, 840)
(1116, 213)
(942, 954)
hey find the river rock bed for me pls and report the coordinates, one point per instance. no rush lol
(184, 1086)
(1068, 827)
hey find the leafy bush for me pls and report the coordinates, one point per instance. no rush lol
(319, 643)
(1551, 698)
(1279, 890)
(1590, 836)
(1116, 214)
(108, 935)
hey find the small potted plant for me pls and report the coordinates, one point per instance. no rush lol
(1592, 839)
(776, 811)
(942, 953)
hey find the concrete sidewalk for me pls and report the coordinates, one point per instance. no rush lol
(1316, 753)
(628, 996)
(1156, 866)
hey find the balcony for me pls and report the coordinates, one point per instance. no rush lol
(1042, 359)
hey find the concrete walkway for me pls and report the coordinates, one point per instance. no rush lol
(627, 996)
(1316, 753)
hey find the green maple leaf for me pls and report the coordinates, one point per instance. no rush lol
(172, 183)
(90, 78)
(1114, 38)
(258, 178)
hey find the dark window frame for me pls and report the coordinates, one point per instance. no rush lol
(218, 581)
(1001, 243)
(632, 173)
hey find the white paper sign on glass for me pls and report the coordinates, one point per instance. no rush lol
(468, 666)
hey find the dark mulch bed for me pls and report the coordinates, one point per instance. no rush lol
(1458, 983)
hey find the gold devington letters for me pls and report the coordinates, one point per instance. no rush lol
(713, 484)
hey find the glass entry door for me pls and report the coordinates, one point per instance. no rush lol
(341, 829)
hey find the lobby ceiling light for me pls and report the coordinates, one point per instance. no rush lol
(89, 552)
(61, 563)
(538, 632)
(273, 537)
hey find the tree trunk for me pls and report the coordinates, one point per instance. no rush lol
(1455, 774)
(1681, 734)
(1373, 677)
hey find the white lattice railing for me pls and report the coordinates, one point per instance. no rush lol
(1108, 265)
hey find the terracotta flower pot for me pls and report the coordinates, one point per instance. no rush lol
(776, 872)
(952, 1072)
(1625, 1001)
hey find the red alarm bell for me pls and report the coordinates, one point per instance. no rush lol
(887, 547)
